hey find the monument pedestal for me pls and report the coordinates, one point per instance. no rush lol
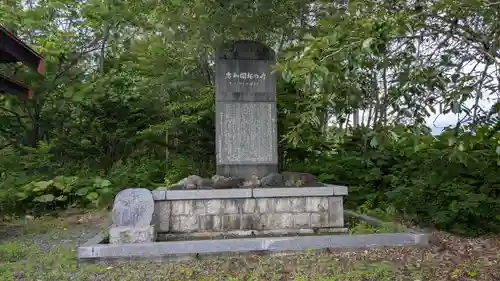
(131, 234)
(246, 171)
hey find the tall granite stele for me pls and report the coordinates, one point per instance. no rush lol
(246, 125)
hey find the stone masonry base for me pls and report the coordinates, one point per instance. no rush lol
(129, 234)
(273, 209)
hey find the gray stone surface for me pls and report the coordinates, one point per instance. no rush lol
(335, 211)
(163, 210)
(209, 223)
(136, 234)
(97, 239)
(282, 205)
(247, 232)
(316, 204)
(158, 195)
(215, 207)
(246, 126)
(184, 207)
(338, 190)
(267, 191)
(281, 244)
(253, 182)
(273, 179)
(86, 252)
(250, 213)
(319, 219)
(188, 224)
(133, 207)
(249, 206)
(221, 182)
(194, 182)
(208, 194)
(292, 192)
(298, 204)
(233, 206)
(298, 179)
(302, 220)
(133, 217)
(247, 133)
(247, 170)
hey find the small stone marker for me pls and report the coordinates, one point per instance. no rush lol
(246, 125)
(133, 217)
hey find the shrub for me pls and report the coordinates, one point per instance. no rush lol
(62, 192)
(448, 181)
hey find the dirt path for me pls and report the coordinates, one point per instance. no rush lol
(45, 250)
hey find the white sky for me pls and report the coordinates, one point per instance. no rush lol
(437, 122)
(443, 121)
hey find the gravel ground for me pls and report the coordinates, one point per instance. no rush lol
(73, 229)
(45, 250)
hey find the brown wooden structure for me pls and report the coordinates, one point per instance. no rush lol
(13, 50)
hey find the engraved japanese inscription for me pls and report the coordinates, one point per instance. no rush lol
(247, 131)
(245, 78)
(133, 207)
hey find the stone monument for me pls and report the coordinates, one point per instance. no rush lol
(133, 217)
(246, 125)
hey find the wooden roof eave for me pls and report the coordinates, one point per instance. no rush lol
(10, 86)
(12, 49)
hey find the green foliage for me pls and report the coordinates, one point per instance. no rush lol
(143, 172)
(62, 192)
(362, 228)
(178, 167)
(448, 181)
(455, 186)
(365, 228)
(387, 216)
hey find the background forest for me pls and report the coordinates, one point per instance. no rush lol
(128, 100)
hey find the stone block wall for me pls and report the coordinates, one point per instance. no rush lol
(189, 211)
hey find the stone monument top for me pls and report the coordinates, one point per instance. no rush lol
(246, 50)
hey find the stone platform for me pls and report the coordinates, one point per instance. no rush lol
(188, 211)
(233, 221)
(139, 214)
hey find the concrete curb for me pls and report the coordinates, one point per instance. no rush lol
(338, 190)
(200, 194)
(248, 233)
(242, 193)
(99, 238)
(292, 192)
(179, 249)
